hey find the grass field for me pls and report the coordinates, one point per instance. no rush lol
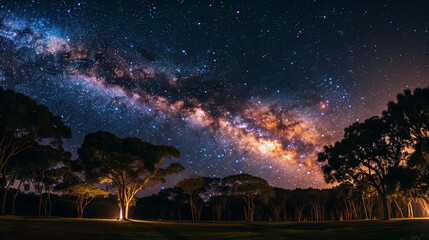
(67, 228)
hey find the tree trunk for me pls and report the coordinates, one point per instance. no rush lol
(3, 203)
(123, 211)
(245, 213)
(126, 210)
(400, 210)
(40, 205)
(14, 197)
(410, 210)
(386, 213)
(192, 207)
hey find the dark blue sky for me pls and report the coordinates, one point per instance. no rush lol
(236, 86)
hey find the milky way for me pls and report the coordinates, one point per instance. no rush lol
(262, 99)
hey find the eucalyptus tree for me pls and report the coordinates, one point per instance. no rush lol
(46, 170)
(129, 163)
(83, 194)
(408, 117)
(23, 125)
(368, 152)
(250, 189)
(191, 185)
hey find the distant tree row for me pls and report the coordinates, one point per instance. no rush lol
(341, 203)
(246, 197)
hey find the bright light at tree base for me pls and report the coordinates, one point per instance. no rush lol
(120, 213)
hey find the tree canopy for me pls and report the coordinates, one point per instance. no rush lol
(24, 122)
(130, 163)
(249, 188)
(191, 185)
(387, 153)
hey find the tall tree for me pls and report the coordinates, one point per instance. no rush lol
(14, 171)
(213, 192)
(409, 118)
(46, 171)
(130, 164)
(191, 185)
(366, 154)
(249, 188)
(278, 203)
(23, 123)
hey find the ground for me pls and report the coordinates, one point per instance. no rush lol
(66, 228)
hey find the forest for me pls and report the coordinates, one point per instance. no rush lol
(378, 170)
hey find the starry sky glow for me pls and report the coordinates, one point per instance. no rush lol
(236, 86)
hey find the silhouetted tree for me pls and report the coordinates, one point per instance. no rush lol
(14, 171)
(278, 203)
(130, 164)
(367, 153)
(191, 185)
(409, 119)
(23, 124)
(46, 170)
(249, 188)
(213, 192)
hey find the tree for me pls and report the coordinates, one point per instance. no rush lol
(190, 186)
(299, 200)
(409, 118)
(16, 170)
(278, 203)
(46, 170)
(250, 189)
(366, 154)
(23, 124)
(130, 164)
(213, 192)
(84, 193)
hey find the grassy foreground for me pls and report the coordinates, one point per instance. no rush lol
(67, 228)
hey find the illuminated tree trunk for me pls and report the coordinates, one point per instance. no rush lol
(123, 211)
(126, 210)
(410, 210)
(399, 207)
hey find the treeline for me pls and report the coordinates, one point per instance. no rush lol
(340, 203)
(218, 204)
(381, 167)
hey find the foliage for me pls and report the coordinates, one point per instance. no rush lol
(365, 155)
(191, 185)
(249, 188)
(24, 122)
(409, 118)
(84, 193)
(130, 164)
(46, 170)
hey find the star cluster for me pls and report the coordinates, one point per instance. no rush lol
(237, 87)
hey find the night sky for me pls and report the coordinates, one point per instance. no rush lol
(237, 86)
